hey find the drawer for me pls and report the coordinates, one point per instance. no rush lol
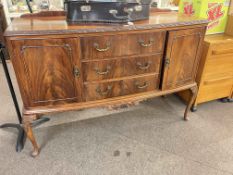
(139, 85)
(215, 89)
(222, 49)
(143, 65)
(108, 69)
(98, 91)
(101, 70)
(220, 66)
(107, 46)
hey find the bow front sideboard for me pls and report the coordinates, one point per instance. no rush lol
(61, 67)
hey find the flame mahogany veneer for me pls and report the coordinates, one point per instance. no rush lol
(61, 67)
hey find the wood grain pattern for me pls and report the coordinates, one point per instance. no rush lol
(106, 46)
(142, 65)
(121, 67)
(139, 85)
(98, 91)
(182, 57)
(48, 81)
(104, 102)
(100, 70)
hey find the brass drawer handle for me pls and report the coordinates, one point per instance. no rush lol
(143, 44)
(98, 72)
(144, 86)
(97, 47)
(145, 66)
(104, 93)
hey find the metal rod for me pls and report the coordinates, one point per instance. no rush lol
(10, 83)
(29, 6)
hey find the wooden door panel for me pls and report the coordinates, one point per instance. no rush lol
(48, 70)
(182, 57)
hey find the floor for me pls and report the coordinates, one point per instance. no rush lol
(148, 139)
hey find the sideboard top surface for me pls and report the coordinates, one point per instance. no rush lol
(58, 25)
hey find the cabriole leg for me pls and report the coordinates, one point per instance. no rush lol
(27, 122)
(194, 95)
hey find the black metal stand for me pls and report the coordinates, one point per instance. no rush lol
(21, 135)
(29, 6)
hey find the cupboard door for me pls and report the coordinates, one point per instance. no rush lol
(46, 70)
(182, 57)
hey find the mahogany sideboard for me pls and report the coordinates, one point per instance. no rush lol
(61, 67)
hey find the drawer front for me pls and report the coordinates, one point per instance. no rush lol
(97, 47)
(100, 70)
(108, 69)
(139, 85)
(98, 91)
(143, 65)
(223, 49)
(220, 66)
(216, 89)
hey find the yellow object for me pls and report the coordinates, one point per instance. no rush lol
(229, 28)
(231, 8)
(215, 73)
(175, 2)
(215, 11)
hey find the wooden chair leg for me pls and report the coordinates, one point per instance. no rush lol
(194, 95)
(27, 121)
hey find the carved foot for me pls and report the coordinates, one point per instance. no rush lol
(27, 121)
(35, 153)
(194, 95)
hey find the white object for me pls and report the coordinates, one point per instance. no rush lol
(165, 4)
